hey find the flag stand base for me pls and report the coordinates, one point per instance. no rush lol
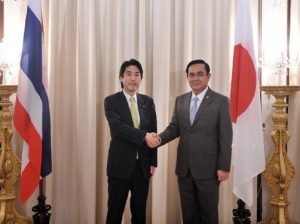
(241, 214)
(10, 165)
(41, 216)
(279, 170)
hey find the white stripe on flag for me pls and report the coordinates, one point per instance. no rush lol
(31, 101)
(35, 6)
(25, 157)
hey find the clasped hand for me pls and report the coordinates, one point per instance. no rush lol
(152, 140)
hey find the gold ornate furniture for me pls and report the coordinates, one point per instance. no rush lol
(10, 165)
(279, 170)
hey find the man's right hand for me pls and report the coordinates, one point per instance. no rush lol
(152, 140)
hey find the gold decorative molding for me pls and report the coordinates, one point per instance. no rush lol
(10, 165)
(279, 170)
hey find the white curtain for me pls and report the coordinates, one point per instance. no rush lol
(87, 41)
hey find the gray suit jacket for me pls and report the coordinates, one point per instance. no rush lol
(205, 146)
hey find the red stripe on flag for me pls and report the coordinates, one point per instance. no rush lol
(243, 82)
(28, 182)
(30, 176)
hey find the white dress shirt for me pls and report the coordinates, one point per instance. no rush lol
(200, 97)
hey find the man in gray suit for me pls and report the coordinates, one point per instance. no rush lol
(201, 119)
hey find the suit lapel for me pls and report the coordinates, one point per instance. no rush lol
(142, 107)
(186, 107)
(125, 108)
(205, 102)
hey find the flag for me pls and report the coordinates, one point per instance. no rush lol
(248, 158)
(31, 115)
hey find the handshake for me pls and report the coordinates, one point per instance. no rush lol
(152, 140)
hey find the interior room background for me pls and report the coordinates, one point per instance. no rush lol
(86, 43)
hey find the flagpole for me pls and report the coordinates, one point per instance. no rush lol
(42, 215)
(259, 182)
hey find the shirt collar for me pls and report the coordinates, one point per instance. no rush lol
(128, 96)
(200, 95)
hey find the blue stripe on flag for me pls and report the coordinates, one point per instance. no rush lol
(31, 61)
(46, 142)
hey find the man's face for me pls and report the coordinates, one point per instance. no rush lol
(131, 79)
(198, 78)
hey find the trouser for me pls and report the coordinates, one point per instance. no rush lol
(118, 190)
(199, 200)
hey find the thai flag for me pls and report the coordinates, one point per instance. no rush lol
(32, 116)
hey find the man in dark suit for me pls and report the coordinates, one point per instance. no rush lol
(201, 119)
(131, 117)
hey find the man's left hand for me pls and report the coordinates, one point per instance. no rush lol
(152, 170)
(222, 175)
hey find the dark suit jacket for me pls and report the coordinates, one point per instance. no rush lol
(205, 146)
(126, 140)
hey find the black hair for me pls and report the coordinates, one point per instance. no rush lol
(198, 61)
(126, 64)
